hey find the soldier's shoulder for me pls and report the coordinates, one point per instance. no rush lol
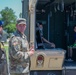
(12, 36)
(13, 40)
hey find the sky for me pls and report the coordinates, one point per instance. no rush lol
(16, 5)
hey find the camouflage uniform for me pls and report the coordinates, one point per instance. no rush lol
(19, 64)
(2, 54)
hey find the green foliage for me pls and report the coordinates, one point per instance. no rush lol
(10, 28)
(20, 15)
(9, 18)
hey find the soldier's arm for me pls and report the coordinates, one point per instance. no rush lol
(15, 49)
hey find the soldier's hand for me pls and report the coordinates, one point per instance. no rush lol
(31, 51)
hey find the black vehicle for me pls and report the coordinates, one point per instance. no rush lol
(58, 18)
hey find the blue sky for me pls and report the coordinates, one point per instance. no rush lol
(16, 5)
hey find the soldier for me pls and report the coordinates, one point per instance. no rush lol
(2, 50)
(19, 51)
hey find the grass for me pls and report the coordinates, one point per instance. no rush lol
(6, 50)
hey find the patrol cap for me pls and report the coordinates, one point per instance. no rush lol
(21, 21)
(1, 23)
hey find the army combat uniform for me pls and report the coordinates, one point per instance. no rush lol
(3, 63)
(19, 58)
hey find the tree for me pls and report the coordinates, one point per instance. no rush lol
(20, 15)
(10, 28)
(9, 18)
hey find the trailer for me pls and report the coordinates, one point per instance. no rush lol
(58, 18)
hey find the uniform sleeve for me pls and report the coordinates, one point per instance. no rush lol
(15, 49)
(27, 46)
